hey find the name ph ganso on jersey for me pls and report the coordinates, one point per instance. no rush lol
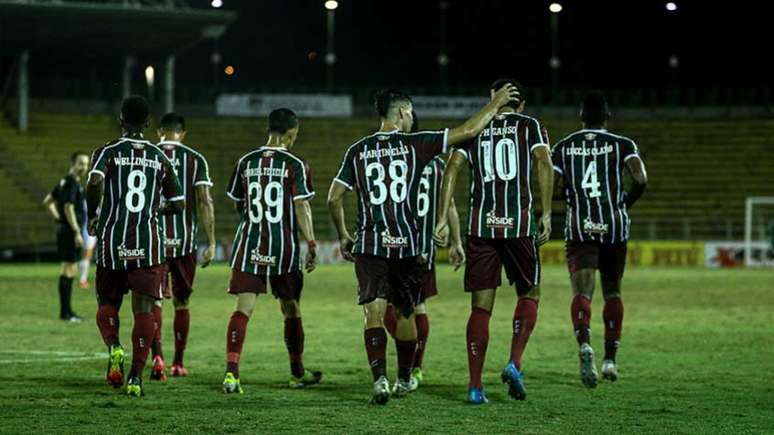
(595, 151)
(383, 152)
(137, 161)
(262, 260)
(390, 241)
(125, 254)
(266, 172)
(494, 221)
(499, 131)
(592, 227)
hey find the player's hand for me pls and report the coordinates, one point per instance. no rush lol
(345, 246)
(441, 228)
(93, 226)
(456, 255)
(208, 255)
(78, 240)
(310, 263)
(442, 238)
(505, 95)
(545, 229)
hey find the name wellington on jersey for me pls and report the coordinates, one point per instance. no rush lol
(137, 161)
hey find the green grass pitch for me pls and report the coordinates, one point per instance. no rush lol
(697, 357)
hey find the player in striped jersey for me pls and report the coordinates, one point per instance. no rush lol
(128, 179)
(426, 202)
(590, 163)
(502, 230)
(180, 239)
(385, 167)
(272, 188)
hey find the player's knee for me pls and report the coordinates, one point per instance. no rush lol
(246, 303)
(483, 299)
(290, 308)
(142, 303)
(611, 290)
(374, 313)
(180, 304)
(583, 282)
(531, 293)
(420, 309)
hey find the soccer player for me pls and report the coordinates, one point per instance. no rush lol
(426, 202)
(272, 188)
(64, 204)
(590, 163)
(384, 168)
(180, 239)
(502, 230)
(128, 179)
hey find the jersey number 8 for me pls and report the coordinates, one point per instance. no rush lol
(272, 197)
(135, 196)
(398, 187)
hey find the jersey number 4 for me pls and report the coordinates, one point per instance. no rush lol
(398, 188)
(589, 182)
(271, 196)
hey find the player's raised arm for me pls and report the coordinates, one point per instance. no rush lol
(545, 171)
(456, 161)
(636, 168)
(470, 128)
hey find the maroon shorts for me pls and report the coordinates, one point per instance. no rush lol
(609, 258)
(112, 285)
(429, 286)
(487, 257)
(398, 280)
(287, 286)
(182, 271)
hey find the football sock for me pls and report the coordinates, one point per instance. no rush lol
(423, 331)
(478, 338)
(612, 314)
(294, 341)
(406, 352)
(142, 336)
(85, 269)
(524, 319)
(376, 348)
(181, 323)
(235, 338)
(156, 344)
(65, 292)
(390, 320)
(107, 322)
(580, 310)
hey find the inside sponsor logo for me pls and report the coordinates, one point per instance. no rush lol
(262, 260)
(390, 241)
(125, 254)
(592, 227)
(494, 221)
(172, 243)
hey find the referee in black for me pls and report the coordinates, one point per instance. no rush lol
(65, 205)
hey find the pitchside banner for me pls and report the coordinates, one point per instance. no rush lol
(447, 107)
(657, 253)
(310, 105)
(731, 254)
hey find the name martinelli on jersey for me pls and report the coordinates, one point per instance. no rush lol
(137, 161)
(384, 152)
(266, 172)
(595, 151)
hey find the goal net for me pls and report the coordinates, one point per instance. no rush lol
(759, 231)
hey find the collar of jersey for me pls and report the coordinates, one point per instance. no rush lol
(173, 142)
(273, 148)
(599, 130)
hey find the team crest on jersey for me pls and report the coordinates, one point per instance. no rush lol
(125, 254)
(267, 153)
(427, 171)
(590, 136)
(262, 260)
(390, 241)
(172, 243)
(591, 227)
(494, 221)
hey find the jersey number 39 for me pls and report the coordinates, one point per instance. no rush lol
(271, 196)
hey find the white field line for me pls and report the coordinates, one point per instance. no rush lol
(49, 356)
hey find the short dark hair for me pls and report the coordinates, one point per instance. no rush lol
(386, 99)
(135, 111)
(172, 122)
(594, 110)
(415, 124)
(499, 83)
(282, 120)
(75, 156)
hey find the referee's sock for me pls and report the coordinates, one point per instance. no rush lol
(65, 293)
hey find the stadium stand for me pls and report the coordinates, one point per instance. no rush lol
(700, 171)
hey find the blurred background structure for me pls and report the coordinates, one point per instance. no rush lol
(683, 78)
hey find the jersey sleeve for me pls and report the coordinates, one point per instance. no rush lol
(346, 174)
(537, 136)
(202, 176)
(429, 144)
(556, 159)
(236, 190)
(302, 184)
(171, 189)
(69, 191)
(466, 149)
(629, 150)
(99, 161)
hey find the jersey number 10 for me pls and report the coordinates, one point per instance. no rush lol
(504, 160)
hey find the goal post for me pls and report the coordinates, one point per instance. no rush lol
(758, 238)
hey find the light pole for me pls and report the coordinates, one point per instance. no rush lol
(443, 57)
(554, 62)
(330, 55)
